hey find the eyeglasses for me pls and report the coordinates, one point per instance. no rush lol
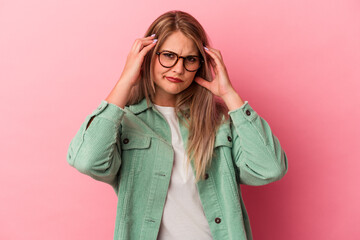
(169, 59)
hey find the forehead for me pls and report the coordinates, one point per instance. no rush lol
(177, 42)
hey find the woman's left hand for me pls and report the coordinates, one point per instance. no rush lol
(220, 85)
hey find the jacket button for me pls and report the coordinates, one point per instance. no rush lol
(206, 176)
(229, 139)
(126, 141)
(248, 112)
(218, 220)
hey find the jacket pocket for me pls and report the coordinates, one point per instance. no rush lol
(223, 138)
(134, 148)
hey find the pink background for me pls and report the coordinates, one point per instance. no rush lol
(296, 62)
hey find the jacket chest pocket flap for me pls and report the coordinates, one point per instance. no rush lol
(223, 138)
(134, 141)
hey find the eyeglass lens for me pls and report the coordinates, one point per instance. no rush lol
(169, 59)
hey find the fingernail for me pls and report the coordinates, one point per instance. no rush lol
(155, 40)
(206, 48)
(153, 35)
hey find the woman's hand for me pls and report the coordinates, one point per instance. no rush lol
(135, 58)
(131, 74)
(220, 85)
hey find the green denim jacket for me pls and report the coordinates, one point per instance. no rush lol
(131, 149)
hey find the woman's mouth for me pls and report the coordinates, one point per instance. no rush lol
(174, 80)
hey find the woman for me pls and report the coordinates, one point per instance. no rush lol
(167, 114)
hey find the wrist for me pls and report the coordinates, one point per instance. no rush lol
(120, 93)
(126, 81)
(232, 100)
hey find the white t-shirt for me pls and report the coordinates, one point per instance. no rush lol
(183, 216)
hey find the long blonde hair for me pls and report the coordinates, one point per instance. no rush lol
(206, 110)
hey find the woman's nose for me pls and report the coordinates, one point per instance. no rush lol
(179, 66)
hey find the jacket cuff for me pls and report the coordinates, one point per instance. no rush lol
(109, 111)
(243, 114)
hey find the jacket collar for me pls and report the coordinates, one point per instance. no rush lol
(141, 106)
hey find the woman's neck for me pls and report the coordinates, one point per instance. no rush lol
(165, 101)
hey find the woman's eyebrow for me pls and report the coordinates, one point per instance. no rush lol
(193, 54)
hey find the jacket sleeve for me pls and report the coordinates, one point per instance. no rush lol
(256, 151)
(95, 151)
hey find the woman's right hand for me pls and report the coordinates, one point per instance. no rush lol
(135, 58)
(131, 73)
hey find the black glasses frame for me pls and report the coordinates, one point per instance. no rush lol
(177, 59)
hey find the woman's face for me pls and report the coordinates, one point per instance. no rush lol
(171, 81)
